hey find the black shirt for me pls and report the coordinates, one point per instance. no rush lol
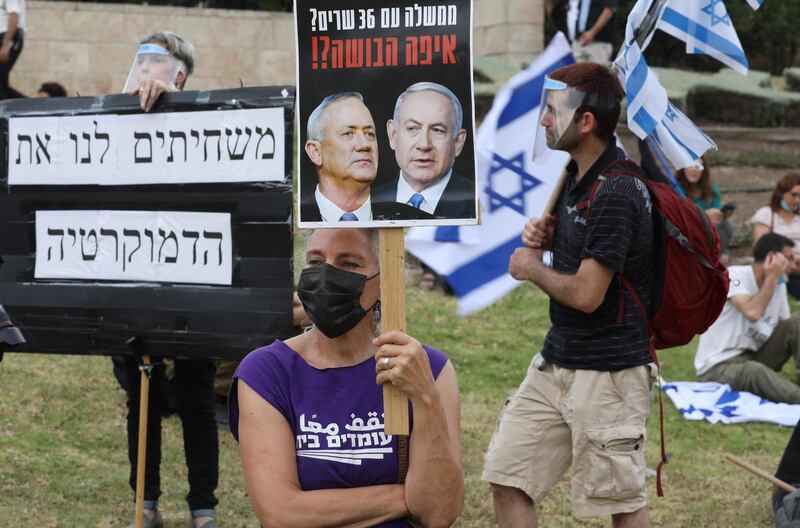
(604, 35)
(618, 235)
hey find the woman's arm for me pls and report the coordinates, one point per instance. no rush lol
(435, 481)
(266, 445)
(759, 230)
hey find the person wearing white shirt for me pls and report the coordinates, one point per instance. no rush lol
(343, 147)
(12, 24)
(426, 135)
(755, 335)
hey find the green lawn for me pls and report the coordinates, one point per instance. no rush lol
(63, 459)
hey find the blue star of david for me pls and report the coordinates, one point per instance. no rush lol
(712, 12)
(527, 183)
(671, 115)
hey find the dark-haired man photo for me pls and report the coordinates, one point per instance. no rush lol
(426, 133)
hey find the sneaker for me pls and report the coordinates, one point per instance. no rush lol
(150, 522)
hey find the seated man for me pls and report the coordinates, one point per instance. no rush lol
(755, 334)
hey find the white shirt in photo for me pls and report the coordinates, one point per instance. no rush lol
(430, 196)
(331, 212)
(732, 333)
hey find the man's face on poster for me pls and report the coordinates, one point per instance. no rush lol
(349, 146)
(424, 138)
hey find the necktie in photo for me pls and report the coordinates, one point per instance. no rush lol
(416, 200)
(348, 217)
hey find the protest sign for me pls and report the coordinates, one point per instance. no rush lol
(359, 159)
(173, 227)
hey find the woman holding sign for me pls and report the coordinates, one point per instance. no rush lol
(308, 412)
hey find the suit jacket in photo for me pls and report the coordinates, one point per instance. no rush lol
(457, 201)
(309, 210)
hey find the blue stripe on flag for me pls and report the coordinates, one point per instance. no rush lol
(528, 95)
(685, 147)
(484, 269)
(446, 234)
(636, 79)
(704, 35)
(645, 120)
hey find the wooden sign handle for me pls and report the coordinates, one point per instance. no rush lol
(144, 396)
(393, 317)
(759, 472)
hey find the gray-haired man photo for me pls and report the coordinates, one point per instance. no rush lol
(426, 135)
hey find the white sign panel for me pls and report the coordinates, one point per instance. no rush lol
(178, 147)
(152, 246)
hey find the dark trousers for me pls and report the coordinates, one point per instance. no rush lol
(6, 91)
(789, 468)
(194, 391)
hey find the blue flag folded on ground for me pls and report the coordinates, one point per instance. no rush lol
(513, 188)
(718, 403)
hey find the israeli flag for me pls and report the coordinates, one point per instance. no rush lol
(514, 188)
(718, 403)
(755, 4)
(650, 114)
(707, 28)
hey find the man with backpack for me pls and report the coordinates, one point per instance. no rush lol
(586, 396)
(755, 335)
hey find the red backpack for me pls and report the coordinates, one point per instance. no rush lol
(690, 284)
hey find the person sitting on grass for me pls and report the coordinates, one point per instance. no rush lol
(755, 335)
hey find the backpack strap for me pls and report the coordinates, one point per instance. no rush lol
(614, 169)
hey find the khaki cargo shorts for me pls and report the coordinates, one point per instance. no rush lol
(592, 420)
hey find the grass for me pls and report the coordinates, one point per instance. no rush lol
(762, 158)
(63, 460)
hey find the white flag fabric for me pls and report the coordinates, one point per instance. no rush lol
(707, 28)
(755, 4)
(718, 403)
(474, 260)
(651, 114)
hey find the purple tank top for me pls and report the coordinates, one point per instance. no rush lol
(336, 415)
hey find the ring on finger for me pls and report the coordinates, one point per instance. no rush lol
(384, 363)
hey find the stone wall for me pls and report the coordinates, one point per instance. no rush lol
(89, 47)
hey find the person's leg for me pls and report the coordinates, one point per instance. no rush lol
(152, 479)
(781, 345)
(755, 377)
(194, 390)
(637, 519)
(609, 417)
(531, 447)
(789, 466)
(513, 508)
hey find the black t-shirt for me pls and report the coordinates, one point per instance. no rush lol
(618, 235)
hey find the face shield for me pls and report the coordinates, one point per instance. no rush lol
(153, 62)
(557, 113)
(556, 110)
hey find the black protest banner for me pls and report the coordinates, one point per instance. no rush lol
(173, 227)
(380, 50)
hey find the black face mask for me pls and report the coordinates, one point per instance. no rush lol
(331, 297)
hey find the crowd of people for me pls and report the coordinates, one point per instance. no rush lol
(302, 409)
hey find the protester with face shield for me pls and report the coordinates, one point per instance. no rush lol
(586, 396)
(162, 64)
(308, 412)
